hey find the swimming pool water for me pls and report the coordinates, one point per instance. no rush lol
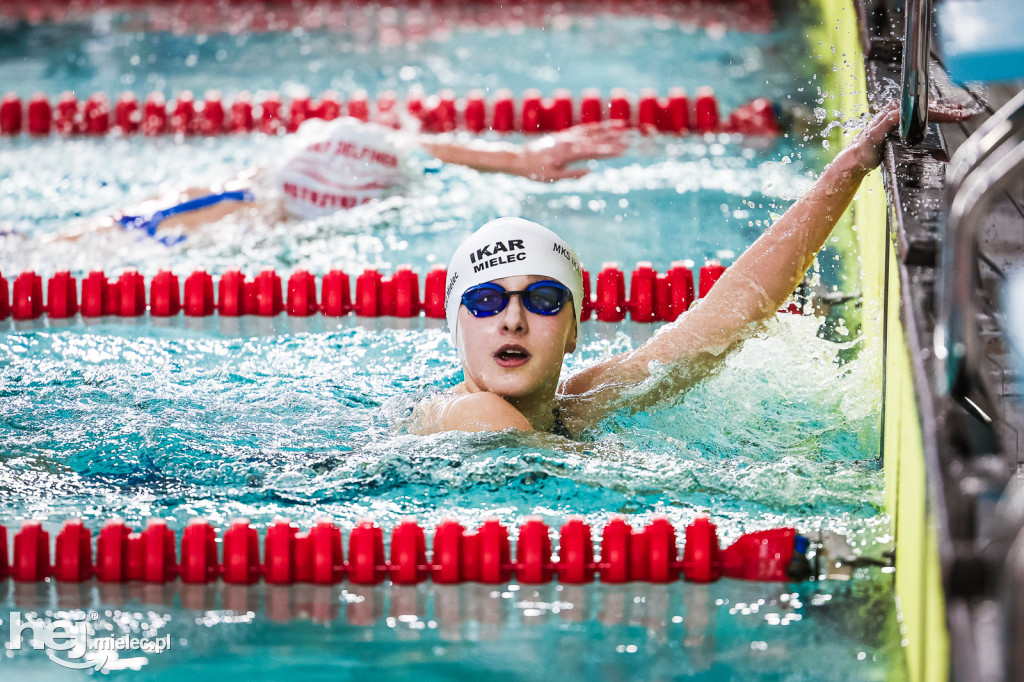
(173, 422)
(224, 418)
(299, 423)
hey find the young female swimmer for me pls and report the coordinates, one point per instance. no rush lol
(340, 164)
(511, 303)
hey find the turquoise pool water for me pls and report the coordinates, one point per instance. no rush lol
(142, 421)
(263, 418)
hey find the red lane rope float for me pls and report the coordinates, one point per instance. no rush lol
(416, 24)
(653, 296)
(316, 556)
(443, 112)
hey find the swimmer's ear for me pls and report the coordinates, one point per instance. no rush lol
(570, 343)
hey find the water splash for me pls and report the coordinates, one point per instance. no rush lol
(182, 422)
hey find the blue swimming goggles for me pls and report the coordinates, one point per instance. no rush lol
(545, 297)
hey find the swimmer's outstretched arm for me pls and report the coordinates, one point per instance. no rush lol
(750, 291)
(545, 158)
(271, 211)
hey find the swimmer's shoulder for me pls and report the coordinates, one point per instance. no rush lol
(459, 410)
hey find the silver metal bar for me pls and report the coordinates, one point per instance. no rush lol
(1003, 124)
(957, 314)
(916, 48)
(957, 344)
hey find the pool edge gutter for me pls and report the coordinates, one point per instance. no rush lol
(921, 607)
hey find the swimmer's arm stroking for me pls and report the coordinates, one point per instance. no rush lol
(544, 159)
(272, 210)
(749, 292)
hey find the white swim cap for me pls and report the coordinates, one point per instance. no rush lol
(340, 164)
(508, 247)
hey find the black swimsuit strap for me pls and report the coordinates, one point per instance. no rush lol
(558, 427)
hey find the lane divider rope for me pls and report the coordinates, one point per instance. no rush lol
(316, 556)
(440, 113)
(407, 22)
(653, 296)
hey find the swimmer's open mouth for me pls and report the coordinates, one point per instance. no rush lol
(512, 356)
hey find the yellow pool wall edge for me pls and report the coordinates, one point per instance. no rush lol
(918, 582)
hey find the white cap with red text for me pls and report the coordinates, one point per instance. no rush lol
(340, 164)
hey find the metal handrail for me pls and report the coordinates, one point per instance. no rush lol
(1006, 122)
(957, 344)
(916, 48)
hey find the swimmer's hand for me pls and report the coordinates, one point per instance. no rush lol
(546, 159)
(869, 145)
